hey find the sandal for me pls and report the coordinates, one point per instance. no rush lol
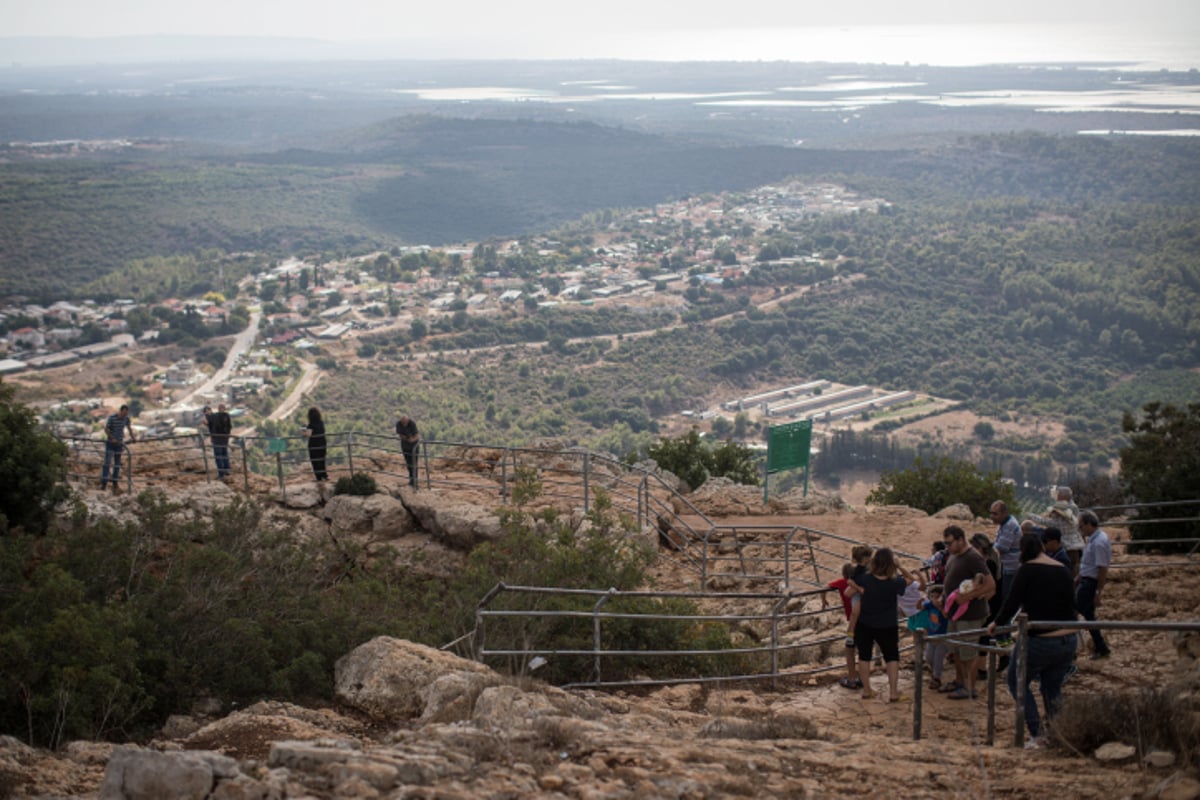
(846, 683)
(962, 693)
(935, 684)
(952, 686)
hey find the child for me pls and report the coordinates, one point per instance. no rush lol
(937, 624)
(851, 680)
(860, 557)
(937, 563)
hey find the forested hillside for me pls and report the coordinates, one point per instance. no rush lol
(431, 180)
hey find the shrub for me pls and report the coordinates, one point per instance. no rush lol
(360, 484)
(31, 467)
(1150, 719)
(934, 484)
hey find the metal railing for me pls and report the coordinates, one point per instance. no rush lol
(1023, 625)
(600, 617)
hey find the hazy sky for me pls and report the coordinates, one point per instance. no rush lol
(554, 28)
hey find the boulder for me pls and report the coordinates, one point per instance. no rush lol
(1115, 751)
(202, 499)
(309, 494)
(379, 515)
(958, 511)
(391, 679)
(453, 522)
(137, 774)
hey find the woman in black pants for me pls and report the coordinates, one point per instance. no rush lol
(315, 433)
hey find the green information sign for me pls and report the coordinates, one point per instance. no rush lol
(788, 447)
(277, 445)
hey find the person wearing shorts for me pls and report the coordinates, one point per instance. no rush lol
(966, 563)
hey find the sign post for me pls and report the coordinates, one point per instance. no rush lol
(788, 447)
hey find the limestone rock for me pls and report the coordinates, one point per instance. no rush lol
(1115, 751)
(453, 522)
(137, 774)
(958, 511)
(380, 515)
(306, 495)
(1159, 759)
(1179, 786)
(451, 698)
(388, 678)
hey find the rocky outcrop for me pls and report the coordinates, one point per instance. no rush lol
(379, 516)
(721, 497)
(394, 680)
(453, 522)
(959, 511)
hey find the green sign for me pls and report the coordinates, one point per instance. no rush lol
(277, 445)
(788, 446)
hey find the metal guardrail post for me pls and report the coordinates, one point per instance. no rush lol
(919, 684)
(991, 697)
(587, 465)
(1021, 653)
(596, 631)
(279, 472)
(350, 451)
(812, 553)
(643, 501)
(204, 455)
(504, 474)
(129, 471)
(776, 607)
(245, 467)
(480, 639)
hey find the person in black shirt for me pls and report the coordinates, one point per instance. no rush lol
(1045, 590)
(410, 443)
(315, 433)
(220, 425)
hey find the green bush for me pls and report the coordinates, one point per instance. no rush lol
(106, 629)
(31, 467)
(360, 484)
(933, 484)
(694, 460)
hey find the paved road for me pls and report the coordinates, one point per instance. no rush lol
(309, 377)
(241, 344)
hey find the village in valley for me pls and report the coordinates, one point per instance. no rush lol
(250, 341)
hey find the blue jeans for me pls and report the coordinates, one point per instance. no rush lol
(221, 456)
(1085, 604)
(1050, 659)
(112, 460)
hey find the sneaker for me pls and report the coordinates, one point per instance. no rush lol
(849, 642)
(1035, 743)
(1098, 656)
(1071, 670)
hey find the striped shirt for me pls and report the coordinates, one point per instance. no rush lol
(116, 426)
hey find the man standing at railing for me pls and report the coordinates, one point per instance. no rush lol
(1093, 572)
(410, 442)
(220, 426)
(114, 446)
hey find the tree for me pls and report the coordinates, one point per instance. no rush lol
(31, 467)
(1162, 464)
(694, 460)
(933, 484)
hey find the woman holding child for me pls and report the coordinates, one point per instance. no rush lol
(1045, 591)
(880, 588)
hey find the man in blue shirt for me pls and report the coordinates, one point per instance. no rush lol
(1052, 543)
(1093, 573)
(114, 445)
(1008, 545)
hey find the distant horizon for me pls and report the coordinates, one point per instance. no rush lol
(1146, 47)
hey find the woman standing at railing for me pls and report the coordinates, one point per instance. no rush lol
(881, 588)
(315, 434)
(1044, 589)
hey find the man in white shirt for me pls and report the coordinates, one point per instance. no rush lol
(1093, 573)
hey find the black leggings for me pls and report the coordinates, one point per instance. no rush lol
(888, 640)
(317, 456)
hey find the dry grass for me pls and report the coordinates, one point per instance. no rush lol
(1149, 719)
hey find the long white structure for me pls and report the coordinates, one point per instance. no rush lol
(797, 408)
(742, 403)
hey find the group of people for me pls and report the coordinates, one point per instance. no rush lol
(219, 424)
(976, 585)
(406, 431)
